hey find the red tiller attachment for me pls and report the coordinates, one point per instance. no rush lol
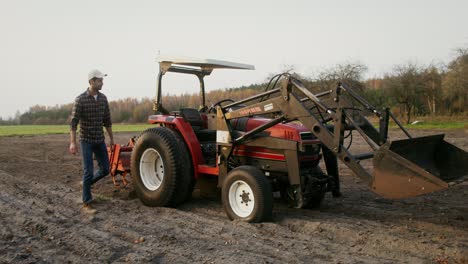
(119, 160)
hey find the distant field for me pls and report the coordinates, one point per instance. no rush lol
(438, 125)
(62, 129)
(438, 122)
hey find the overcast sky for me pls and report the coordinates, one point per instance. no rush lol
(47, 47)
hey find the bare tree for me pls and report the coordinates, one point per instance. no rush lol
(406, 85)
(351, 73)
(455, 83)
(433, 87)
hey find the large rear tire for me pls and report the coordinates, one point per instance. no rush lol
(187, 180)
(246, 195)
(157, 169)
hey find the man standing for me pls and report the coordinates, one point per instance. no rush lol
(91, 111)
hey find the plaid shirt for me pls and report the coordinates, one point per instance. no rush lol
(92, 115)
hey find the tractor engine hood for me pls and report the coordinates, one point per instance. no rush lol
(290, 131)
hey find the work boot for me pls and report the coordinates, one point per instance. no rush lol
(88, 209)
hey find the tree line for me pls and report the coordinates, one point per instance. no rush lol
(409, 90)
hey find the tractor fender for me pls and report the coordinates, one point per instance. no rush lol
(187, 133)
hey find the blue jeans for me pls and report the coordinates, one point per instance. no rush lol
(89, 176)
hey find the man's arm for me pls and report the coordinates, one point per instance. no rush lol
(108, 123)
(73, 150)
(75, 119)
(111, 135)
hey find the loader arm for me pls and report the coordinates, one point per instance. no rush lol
(403, 168)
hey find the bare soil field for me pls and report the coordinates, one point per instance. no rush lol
(40, 219)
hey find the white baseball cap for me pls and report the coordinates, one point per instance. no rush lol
(96, 74)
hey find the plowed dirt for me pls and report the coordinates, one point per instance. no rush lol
(40, 219)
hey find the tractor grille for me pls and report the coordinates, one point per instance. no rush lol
(311, 149)
(289, 135)
(307, 136)
(310, 156)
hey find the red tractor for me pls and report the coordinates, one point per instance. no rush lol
(273, 142)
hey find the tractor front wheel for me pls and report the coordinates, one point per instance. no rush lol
(247, 195)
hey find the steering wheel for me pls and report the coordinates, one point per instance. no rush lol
(212, 108)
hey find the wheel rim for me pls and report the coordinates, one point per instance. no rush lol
(241, 198)
(151, 169)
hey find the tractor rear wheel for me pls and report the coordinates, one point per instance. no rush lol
(246, 195)
(157, 169)
(187, 180)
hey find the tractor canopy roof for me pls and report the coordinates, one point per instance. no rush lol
(204, 64)
(197, 67)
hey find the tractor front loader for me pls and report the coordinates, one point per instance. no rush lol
(402, 168)
(273, 142)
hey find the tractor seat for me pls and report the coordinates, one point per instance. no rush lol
(193, 117)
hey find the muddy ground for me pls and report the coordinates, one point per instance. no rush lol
(40, 220)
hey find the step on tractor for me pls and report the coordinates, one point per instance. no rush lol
(272, 143)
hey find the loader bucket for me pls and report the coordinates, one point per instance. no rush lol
(411, 167)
